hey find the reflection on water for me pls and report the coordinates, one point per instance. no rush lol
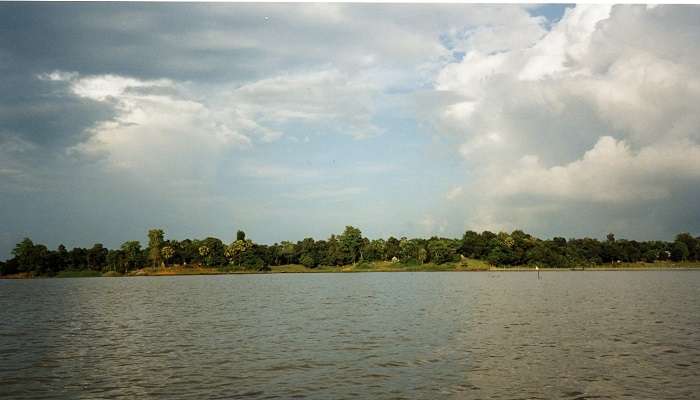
(373, 335)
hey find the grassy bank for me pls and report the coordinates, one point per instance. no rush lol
(78, 274)
(385, 266)
(470, 265)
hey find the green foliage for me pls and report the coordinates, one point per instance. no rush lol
(502, 249)
(155, 243)
(215, 253)
(30, 257)
(350, 245)
(308, 261)
(132, 256)
(167, 252)
(679, 251)
(650, 256)
(97, 257)
(441, 250)
(392, 248)
(691, 243)
(78, 274)
(236, 251)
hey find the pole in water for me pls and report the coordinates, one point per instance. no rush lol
(538, 272)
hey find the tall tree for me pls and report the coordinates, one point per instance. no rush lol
(97, 257)
(132, 254)
(236, 250)
(167, 252)
(351, 244)
(392, 248)
(155, 244)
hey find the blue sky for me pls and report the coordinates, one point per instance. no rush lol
(289, 121)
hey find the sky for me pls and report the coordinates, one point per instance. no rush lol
(290, 121)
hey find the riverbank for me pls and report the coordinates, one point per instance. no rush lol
(384, 266)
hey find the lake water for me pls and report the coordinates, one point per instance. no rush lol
(370, 335)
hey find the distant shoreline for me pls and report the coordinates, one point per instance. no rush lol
(372, 267)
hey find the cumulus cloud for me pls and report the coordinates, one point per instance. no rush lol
(595, 113)
(159, 121)
(608, 173)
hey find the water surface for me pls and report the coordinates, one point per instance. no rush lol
(368, 335)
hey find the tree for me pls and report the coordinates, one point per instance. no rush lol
(24, 253)
(204, 253)
(63, 256)
(679, 251)
(78, 258)
(471, 245)
(31, 257)
(167, 252)
(287, 251)
(422, 255)
(650, 256)
(440, 250)
(131, 251)
(235, 251)
(307, 249)
(155, 243)
(240, 235)
(392, 248)
(97, 257)
(115, 260)
(407, 250)
(691, 243)
(308, 261)
(216, 255)
(351, 243)
(334, 254)
(502, 250)
(374, 250)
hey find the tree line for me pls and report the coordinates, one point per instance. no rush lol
(349, 247)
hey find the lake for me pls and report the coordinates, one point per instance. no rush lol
(483, 335)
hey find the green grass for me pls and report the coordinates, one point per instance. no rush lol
(78, 274)
(375, 266)
(646, 265)
(387, 266)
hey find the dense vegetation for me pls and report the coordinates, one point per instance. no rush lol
(350, 247)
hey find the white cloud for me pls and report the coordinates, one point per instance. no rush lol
(158, 122)
(608, 173)
(598, 111)
(565, 44)
(316, 97)
(106, 87)
(58, 76)
(150, 130)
